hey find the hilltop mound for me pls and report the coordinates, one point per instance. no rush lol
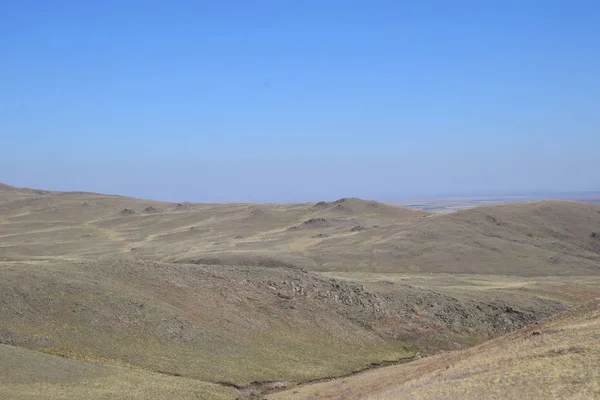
(10, 194)
(127, 211)
(258, 212)
(527, 239)
(359, 206)
(12, 189)
(184, 206)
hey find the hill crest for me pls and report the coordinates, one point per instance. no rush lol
(349, 234)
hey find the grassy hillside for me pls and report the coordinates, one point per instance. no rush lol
(556, 360)
(27, 374)
(105, 296)
(210, 323)
(239, 325)
(528, 239)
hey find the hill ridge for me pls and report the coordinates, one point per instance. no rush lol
(550, 237)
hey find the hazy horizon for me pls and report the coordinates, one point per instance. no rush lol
(277, 102)
(476, 198)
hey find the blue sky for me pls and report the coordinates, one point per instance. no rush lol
(304, 100)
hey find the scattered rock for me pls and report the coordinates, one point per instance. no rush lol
(16, 339)
(152, 210)
(555, 259)
(127, 211)
(321, 204)
(316, 222)
(493, 219)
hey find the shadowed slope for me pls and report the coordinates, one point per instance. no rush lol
(238, 324)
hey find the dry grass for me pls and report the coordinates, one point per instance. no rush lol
(244, 324)
(565, 289)
(26, 374)
(218, 324)
(528, 239)
(559, 359)
(113, 293)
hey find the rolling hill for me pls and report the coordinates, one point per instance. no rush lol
(526, 239)
(105, 296)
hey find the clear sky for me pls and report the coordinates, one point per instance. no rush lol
(300, 100)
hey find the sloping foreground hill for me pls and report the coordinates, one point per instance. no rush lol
(215, 324)
(556, 360)
(27, 374)
(528, 239)
(238, 325)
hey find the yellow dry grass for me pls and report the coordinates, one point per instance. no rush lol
(79, 279)
(26, 374)
(557, 360)
(529, 239)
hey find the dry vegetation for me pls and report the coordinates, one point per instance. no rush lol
(558, 359)
(27, 374)
(112, 296)
(218, 324)
(528, 239)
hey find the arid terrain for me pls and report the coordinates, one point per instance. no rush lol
(525, 239)
(559, 359)
(450, 204)
(113, 297)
